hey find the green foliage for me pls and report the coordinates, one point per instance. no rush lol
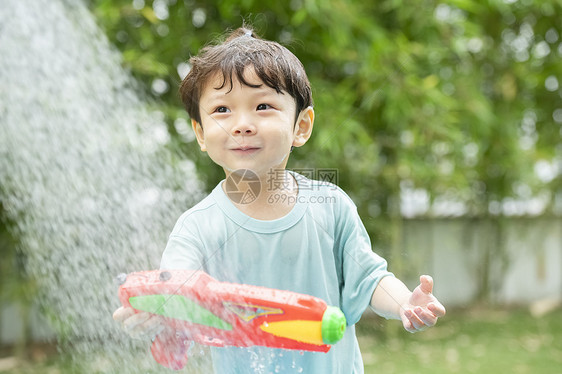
(15, 284)
(457, 97)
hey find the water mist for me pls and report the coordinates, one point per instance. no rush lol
(85, 176)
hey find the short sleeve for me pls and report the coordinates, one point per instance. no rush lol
(361, 268)
(183, 250)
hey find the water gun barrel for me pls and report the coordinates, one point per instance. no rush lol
(196, 307)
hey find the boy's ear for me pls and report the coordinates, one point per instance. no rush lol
(303, 127)
(198, 130)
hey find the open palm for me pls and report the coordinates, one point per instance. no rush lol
(423, 309)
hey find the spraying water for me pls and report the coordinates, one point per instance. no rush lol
(84, 174)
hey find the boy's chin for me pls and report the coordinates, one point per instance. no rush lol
(258, 172)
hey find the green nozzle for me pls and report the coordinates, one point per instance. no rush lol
(333, 325)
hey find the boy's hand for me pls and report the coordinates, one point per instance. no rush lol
(139, 325)
(423, 309)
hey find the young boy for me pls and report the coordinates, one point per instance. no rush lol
(250, 102)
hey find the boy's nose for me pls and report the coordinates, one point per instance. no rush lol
(244, 130)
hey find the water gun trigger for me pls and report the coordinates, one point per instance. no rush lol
(170, 349)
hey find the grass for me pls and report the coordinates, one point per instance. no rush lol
(472, 341)
(475, 341)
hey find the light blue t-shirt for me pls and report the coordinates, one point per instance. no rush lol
(320, 248)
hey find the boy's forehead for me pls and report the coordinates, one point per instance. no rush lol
(218, 83)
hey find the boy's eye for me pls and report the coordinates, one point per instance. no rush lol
(222, 109)
(263, 107)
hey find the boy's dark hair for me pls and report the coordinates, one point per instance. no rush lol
(274, 64)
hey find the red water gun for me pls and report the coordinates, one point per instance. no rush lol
(197, 307)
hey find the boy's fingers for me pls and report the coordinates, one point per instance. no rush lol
(122, 313)
(146, 328)
(154, 325)
(426, 316)
(137, 319)
(419, 319)
(407, 324)
(416, 323)
(139, 325)
(437, 308)
(426, 284)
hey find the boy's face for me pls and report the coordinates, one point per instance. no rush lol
(249, 128)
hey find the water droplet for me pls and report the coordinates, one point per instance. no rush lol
(121, 278)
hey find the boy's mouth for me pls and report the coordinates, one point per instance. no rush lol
(246, 149)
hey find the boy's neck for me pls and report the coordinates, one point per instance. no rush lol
(274, 199)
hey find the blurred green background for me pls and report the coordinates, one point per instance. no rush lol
(455, 104)
(458, 98)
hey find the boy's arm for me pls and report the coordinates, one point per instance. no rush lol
(418, 310)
